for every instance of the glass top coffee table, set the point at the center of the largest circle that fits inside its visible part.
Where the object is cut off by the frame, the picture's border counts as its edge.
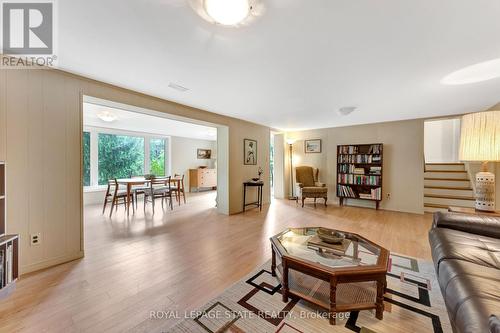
(336, 270)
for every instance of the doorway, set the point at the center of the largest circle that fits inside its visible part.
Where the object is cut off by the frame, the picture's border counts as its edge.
(122, 141)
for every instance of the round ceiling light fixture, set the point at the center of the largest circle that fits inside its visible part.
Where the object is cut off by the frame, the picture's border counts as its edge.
(227, 12)
(107, 116)
(482, 71)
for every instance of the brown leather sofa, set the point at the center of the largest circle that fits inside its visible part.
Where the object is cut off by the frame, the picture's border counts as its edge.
(466, 254)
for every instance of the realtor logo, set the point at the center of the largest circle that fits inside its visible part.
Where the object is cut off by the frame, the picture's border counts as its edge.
(27, 28)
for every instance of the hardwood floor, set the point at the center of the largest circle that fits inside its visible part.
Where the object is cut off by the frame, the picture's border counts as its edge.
(177, 261)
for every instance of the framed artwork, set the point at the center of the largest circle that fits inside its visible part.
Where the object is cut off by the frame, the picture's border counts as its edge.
(204, 154)
(312, 146)
(249, 152)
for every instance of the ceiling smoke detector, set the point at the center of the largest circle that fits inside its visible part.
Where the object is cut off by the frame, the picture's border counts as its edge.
(344, 111)
(177, 87)
(228, 12)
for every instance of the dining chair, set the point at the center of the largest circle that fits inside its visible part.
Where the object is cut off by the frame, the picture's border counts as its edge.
(159, 187)
(139, 189)
(113, 195)
(179, 189)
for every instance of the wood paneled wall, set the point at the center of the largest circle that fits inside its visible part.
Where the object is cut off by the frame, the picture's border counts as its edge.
(40, 139)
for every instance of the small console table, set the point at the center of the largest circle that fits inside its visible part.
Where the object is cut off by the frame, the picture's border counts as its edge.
(258, 203)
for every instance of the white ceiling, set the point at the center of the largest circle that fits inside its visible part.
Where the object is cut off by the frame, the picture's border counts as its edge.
(139, 122)
(296, 65)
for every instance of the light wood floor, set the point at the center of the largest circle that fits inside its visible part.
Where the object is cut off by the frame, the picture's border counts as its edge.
(177, 261)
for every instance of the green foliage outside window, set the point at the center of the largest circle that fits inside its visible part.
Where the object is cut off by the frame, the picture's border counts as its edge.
(157, 156)
(120, 156)
(86, 159)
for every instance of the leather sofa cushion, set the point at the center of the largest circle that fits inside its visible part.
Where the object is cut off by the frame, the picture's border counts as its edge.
(470, 291)
(477, 224)
(454, 244)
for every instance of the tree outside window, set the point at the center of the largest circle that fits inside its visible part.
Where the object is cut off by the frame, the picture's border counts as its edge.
(157, 156)
(120, 156)
(86, 158)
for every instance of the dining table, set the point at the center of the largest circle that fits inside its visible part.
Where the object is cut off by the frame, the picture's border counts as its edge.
(130, 182)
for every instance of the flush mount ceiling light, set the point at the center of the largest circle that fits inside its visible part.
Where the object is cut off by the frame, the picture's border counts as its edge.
(227, 12)
(107, 116)
(482, 71)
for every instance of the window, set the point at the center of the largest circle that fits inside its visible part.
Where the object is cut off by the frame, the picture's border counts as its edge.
(109, 154)
(86, 158)
(157, 156)
(119, 156)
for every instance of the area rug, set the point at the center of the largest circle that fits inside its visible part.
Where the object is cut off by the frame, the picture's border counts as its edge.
(413, 303)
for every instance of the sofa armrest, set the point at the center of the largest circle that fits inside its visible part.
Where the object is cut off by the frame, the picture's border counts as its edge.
(488, 226)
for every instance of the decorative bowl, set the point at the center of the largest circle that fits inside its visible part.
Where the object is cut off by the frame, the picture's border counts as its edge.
(330, 236)
(255, 179)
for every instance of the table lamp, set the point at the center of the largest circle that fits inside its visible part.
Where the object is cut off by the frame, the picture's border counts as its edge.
(480, 141)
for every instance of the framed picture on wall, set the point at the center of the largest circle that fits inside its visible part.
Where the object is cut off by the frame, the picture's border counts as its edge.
(312, 146)
(249, 152)
(204, 154)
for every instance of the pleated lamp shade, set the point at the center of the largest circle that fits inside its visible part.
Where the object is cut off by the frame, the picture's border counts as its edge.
(480, 137)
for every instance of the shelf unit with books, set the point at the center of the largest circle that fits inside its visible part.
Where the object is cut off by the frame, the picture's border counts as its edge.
(359, 172)
(9, 244)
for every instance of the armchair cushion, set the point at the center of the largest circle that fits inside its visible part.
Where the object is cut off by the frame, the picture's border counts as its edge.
(304, 175)
(313, 189)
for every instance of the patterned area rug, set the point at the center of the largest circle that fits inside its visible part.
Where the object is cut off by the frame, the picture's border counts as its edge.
(413, 303)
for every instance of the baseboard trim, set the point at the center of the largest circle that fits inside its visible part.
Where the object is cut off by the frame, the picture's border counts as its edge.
(50, 262)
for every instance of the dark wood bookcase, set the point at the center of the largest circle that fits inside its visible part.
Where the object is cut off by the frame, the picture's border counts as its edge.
(9, 244)
(359, 172)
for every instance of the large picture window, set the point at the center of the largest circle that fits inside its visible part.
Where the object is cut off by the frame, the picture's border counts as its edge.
(109, 154)
(120, 156)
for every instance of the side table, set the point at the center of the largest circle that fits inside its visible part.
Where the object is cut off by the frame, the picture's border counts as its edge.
(258, 203)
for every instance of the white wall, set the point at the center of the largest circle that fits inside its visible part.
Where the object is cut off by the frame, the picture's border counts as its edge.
(441, 140)
(183, 155)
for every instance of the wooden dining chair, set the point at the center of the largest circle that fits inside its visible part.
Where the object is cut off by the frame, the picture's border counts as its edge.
(179, 189)
(139, 189)
(113, 195)
(159, 187)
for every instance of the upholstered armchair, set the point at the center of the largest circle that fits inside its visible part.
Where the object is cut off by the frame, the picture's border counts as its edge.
(307, 185)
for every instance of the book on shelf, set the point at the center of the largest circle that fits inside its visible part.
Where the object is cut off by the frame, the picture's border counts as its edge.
(358, 179)
(359, 158)
(375, 170)
(2, 259)
(348, 149)
(345, 191)
(374, 149)
(8, 264)
(375, 194)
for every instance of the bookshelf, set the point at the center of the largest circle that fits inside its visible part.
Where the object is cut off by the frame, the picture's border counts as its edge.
(359, 172)
(9, 244)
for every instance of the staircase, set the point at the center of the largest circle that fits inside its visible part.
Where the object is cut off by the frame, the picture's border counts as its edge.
(446, 184)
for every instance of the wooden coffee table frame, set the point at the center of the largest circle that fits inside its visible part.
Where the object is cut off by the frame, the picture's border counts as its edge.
(333, 276)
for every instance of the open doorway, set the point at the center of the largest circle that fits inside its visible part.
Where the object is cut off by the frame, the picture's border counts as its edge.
(442, 140)
(129, 154)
